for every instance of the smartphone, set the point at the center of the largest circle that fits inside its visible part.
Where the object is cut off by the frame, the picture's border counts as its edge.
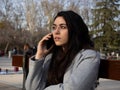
(50, 42)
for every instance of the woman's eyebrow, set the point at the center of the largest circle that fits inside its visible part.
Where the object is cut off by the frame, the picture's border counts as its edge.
(54, 24)
(62, 24)
(59, 24)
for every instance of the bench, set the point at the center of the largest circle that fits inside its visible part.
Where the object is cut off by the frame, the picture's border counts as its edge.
(109, 69)
(17, 60)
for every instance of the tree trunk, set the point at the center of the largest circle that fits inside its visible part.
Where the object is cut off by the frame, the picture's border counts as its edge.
(6, 48)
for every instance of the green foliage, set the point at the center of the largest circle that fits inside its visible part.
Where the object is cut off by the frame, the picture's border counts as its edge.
(106, 24)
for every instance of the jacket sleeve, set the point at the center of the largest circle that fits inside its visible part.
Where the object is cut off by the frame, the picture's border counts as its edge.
(32, 81)
(83, 74)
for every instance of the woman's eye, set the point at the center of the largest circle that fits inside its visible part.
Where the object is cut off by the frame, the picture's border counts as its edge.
(53, 27)
(63, 27)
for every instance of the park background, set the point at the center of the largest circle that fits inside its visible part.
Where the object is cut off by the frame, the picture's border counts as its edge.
(27, 21)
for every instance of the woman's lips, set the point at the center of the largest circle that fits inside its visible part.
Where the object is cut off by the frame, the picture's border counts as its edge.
(57, 38)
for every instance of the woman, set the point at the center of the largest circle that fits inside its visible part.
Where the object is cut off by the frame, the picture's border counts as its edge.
(70, 63)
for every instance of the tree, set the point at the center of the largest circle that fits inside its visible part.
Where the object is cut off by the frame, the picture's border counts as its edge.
(6, 34)
(106, 24)
(28, 21)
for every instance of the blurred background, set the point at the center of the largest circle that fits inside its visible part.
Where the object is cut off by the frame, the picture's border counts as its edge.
(27, 21)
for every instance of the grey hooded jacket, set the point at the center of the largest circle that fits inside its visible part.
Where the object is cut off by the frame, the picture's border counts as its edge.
(81, 75)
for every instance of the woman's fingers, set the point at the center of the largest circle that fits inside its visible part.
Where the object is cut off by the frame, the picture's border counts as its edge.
(42, 50)
(48, 36)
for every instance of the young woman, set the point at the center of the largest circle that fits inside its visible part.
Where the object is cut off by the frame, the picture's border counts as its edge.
(70, 63)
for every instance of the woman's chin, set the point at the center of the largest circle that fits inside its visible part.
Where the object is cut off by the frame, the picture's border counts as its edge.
(58, 44)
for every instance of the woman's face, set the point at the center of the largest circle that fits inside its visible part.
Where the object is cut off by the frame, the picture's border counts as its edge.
(60, 32)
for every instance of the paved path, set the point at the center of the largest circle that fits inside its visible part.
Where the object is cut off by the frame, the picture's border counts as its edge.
(10, 80)
(8, 87)
(106, 84)
(13, 80)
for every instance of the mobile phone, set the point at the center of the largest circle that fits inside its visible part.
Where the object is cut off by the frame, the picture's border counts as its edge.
(49, 42)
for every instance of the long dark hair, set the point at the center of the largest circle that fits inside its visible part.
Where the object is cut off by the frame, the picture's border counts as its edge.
(78, 39)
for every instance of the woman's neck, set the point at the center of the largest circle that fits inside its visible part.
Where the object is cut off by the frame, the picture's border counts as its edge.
(64, 48)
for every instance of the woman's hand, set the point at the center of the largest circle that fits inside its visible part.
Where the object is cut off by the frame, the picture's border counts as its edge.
(41, 48)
